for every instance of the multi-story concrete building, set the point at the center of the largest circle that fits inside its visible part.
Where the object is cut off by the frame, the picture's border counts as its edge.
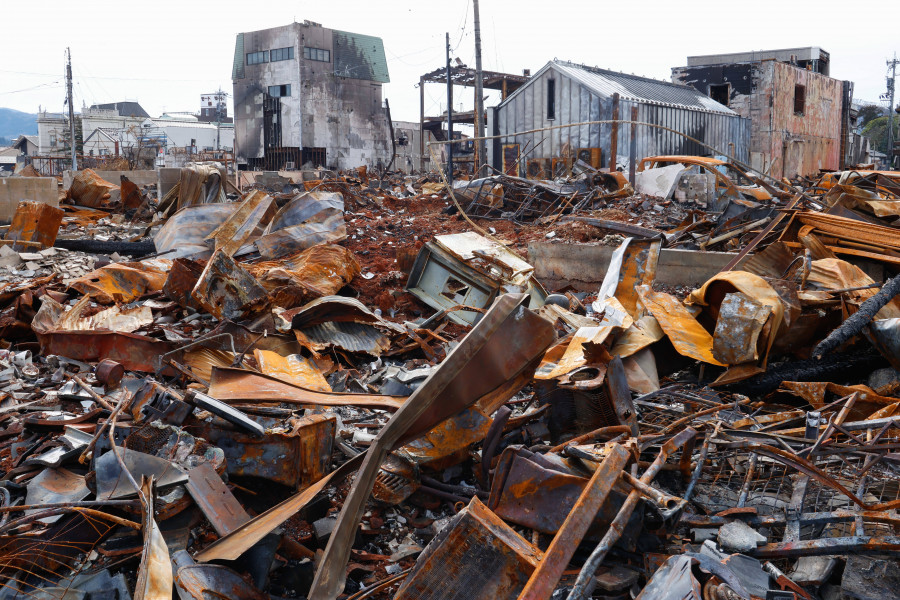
(304, 93)
(800, 116)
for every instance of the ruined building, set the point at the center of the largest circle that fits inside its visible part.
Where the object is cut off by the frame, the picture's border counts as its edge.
(564, 93)
(800, 115)
(307, 94)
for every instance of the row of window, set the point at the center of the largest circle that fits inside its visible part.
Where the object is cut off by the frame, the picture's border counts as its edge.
(316, 54)
(264, 56)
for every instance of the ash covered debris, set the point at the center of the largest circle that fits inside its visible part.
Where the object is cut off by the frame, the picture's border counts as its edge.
(382, 387)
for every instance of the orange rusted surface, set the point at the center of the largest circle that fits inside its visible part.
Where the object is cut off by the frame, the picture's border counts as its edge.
(318, 271)
(685, 332)
(294, 369)
(231, 385)
(89, 189)
(123, 282)
(34, 222)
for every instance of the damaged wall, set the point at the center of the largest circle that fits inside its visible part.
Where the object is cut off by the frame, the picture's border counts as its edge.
(797, 114)
(581, 95)
(331, 115)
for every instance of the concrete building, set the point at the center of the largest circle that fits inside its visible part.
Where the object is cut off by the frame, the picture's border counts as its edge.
(564, 93)
(800, 115)
(304, 93)
(213, 108)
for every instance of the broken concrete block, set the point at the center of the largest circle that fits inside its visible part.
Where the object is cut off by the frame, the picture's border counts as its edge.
(658, 182)
(737, 536)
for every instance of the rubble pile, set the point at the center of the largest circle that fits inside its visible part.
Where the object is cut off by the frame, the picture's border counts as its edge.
(357, 387)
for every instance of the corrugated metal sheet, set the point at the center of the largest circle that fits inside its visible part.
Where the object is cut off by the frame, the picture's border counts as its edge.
(358, 56)
(581, 99)
(237, 70)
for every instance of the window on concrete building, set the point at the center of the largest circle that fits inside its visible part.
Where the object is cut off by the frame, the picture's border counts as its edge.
(255, 58)
(279, 91)
(316, 54)
(281, 54)
(799, 99)
(551, 99)
(720, 93)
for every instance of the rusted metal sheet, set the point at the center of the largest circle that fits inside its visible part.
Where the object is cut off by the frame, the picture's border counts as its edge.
(89, 189)
(294, 369)
(306, 220)
(544, 579)
(686, 334)
(234, 544)
(216, 501)
(184, 233)
(318, 271)
(296, 459)
(34, 222)
(530, 491)
(234, 385)
(478, 557)
(133, 352)
(181, 279)
(338, 321)
(123, 282)
(243, 222)
(501, 352)
(448, 443)
(227, 291)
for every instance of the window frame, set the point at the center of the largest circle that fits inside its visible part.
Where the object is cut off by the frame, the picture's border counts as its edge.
(263, 56)
(286, 87)
(286, 53)
(316, 54)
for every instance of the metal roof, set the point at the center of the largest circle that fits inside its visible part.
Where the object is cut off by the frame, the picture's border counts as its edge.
(126, 109)
(633, 87)
(358, 56)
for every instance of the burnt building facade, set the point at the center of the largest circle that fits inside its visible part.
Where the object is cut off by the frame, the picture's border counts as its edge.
(800, 115)
(306, 94)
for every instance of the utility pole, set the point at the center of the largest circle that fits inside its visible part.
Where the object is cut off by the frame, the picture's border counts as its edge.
(71, 108)
(220, 98)
(892, 65)
(479, 96)
(449, 116)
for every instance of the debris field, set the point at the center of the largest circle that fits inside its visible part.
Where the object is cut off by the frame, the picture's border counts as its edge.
(358, 385)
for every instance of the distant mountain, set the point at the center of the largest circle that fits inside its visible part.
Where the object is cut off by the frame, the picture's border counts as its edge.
(14, 123)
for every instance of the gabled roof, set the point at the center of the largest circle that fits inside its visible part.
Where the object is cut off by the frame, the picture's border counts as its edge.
(632, 87)
(126, 109)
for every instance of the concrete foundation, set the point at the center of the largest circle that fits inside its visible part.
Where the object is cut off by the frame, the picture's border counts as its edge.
(15, 189)
(583, 265)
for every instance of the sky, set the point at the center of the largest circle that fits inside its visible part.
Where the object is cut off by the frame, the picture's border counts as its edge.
(165, 54)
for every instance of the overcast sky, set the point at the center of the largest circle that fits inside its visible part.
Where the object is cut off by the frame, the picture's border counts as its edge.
(165, 54)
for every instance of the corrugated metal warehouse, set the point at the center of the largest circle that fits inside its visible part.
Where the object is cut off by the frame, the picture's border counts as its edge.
(562, 93)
